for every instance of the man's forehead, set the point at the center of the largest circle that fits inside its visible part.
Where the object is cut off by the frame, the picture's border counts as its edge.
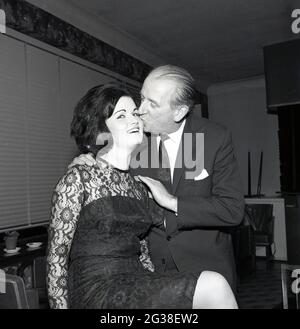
(158, 85)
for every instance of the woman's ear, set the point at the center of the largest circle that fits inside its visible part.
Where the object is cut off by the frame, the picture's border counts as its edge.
(180, 112)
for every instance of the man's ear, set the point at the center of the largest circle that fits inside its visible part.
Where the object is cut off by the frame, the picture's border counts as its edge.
(180, 112)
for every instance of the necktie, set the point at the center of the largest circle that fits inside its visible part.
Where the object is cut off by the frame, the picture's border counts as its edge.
(163, 173)
(165, 178)
(164, 170)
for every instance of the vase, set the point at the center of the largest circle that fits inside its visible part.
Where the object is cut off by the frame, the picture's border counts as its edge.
(11, 242)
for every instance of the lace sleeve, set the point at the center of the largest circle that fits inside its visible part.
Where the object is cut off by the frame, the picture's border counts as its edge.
(145, 256)
(67, 201)
(155, 212)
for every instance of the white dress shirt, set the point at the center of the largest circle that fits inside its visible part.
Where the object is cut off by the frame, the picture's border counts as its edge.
(172, 146)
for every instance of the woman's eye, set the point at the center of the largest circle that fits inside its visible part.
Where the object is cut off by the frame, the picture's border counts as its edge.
(152, 105)
(136, 114)
(122, 116)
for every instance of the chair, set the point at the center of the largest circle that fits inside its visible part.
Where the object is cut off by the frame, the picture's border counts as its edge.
(14, 295)
(290, 280)
(261, 218)
(244, 248)
(39, 280)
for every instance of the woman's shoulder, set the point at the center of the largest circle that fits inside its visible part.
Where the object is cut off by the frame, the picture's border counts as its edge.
(74, 177)
(143, 189)
(74, 172)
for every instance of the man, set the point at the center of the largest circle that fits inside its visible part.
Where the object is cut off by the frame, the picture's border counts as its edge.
(195, 235)
(196, 209)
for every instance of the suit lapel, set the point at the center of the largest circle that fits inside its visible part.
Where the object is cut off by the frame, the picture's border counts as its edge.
(187, 148)
(153, 156)
(179, 164)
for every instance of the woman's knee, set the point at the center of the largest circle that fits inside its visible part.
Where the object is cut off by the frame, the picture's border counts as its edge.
(215, 280)
(213, 291)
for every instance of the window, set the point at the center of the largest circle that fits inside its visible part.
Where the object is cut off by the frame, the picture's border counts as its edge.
(38, 92)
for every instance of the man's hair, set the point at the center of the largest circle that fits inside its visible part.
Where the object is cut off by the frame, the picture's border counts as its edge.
(186, 92)
(90, 115)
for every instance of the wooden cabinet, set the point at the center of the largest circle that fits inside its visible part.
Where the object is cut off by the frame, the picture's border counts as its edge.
(279, 247)
(293, 228)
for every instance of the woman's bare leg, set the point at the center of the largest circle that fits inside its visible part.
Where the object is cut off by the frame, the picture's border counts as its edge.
(213, 292)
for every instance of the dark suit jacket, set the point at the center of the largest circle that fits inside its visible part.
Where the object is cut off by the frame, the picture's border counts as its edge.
(199, 237)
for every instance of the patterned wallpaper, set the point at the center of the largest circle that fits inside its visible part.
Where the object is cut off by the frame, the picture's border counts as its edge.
(37, 23)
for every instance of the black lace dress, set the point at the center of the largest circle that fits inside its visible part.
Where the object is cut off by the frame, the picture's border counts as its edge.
(104, 269)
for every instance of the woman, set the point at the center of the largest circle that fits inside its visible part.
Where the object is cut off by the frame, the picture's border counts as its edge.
(100, 214)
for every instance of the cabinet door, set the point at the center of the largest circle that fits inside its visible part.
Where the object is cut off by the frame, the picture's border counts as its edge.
(293, 230)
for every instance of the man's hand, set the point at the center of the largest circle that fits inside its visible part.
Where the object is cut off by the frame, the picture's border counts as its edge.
(160, 193)
(83, 159)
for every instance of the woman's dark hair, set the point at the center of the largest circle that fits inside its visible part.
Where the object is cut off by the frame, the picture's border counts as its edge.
(90, 114)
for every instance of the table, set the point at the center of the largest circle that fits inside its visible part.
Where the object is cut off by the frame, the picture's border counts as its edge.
(24, 257)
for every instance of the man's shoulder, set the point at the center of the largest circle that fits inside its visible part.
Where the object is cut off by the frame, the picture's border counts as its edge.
(208, 125)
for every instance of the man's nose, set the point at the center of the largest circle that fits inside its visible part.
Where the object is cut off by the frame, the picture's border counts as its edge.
(142, 108)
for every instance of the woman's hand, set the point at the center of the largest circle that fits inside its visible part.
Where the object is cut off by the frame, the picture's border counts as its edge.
(160, 193)
(83, 159)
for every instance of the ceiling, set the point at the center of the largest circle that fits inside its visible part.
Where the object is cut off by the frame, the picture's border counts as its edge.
(216, 40)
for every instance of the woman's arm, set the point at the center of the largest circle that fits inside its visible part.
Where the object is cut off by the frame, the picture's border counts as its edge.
(67, 201)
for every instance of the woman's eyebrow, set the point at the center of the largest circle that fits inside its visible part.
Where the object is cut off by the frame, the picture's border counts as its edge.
(122, 110)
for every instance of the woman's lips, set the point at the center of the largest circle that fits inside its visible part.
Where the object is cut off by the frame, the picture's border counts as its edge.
(134, 130)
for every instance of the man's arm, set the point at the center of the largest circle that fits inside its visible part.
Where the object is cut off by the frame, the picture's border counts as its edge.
(225, 206)
(87, 159)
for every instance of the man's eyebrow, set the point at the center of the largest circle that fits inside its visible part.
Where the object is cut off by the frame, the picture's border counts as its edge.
(150, 99)
(153, 101)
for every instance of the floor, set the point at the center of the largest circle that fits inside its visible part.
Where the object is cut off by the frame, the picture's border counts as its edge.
(262, 288)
